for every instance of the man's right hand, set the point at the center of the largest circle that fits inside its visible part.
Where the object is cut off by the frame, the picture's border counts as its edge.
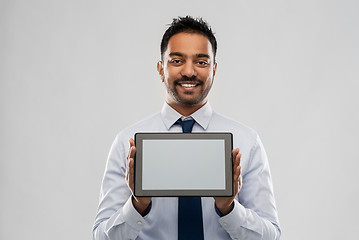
(140, 203)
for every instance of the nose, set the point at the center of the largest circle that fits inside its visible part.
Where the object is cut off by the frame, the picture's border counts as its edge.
(188, 70)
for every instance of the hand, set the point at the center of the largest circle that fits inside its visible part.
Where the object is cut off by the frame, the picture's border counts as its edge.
(140, 203)
(226, 204)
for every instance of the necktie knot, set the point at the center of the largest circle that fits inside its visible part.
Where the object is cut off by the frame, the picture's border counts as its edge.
(187, 124)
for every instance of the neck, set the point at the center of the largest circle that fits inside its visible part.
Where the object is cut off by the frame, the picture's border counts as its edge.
(186, 110)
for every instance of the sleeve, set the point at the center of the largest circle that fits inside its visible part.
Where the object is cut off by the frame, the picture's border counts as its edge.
(254, 215)
(116, 218)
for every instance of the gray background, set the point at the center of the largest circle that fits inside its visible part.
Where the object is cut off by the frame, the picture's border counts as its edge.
(74, 73)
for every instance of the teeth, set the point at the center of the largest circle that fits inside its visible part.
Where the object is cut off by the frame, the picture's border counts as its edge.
(188, 85)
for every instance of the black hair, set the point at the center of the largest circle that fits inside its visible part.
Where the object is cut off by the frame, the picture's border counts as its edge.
(188, 24)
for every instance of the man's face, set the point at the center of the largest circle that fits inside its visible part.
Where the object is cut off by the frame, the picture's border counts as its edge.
(187, 69)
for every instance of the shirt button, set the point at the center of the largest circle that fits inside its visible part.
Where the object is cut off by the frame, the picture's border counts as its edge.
(139, 222)
(225, 224)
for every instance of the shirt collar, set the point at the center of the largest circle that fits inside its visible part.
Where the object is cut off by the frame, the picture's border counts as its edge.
(202, 116)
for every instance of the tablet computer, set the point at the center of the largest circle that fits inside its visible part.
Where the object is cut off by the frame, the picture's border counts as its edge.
(183, 164)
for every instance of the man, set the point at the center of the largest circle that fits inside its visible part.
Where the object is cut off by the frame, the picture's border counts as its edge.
(187, 69)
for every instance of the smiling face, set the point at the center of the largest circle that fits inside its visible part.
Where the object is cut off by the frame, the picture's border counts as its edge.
(187, 70)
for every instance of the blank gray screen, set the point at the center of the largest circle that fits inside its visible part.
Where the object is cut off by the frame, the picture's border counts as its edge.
(183, 164)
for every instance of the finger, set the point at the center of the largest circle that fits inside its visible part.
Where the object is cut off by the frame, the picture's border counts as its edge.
(240, 179)
(130, 167)
(132, 148)
(236, 158)
(237, 173)
(240, 174)
(235, 152)
(237, 167)
(234, 155)
(129, 153)
(237, 161)
(130, 173)
(132, 144)
(130, 164)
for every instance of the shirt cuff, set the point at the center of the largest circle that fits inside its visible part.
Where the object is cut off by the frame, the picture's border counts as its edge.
(132, 217)
(234, 219)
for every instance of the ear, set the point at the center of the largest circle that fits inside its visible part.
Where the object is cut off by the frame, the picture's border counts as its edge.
(160, 69)
(214, 69)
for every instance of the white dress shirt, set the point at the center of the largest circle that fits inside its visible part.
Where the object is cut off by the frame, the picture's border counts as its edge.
(254, 215)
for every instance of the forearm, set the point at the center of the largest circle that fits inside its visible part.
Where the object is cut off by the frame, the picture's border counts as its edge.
(254, 215)
(243, 223)
(117, 218)
(126, 223)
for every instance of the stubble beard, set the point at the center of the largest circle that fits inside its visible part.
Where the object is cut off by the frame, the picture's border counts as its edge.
(172, 91)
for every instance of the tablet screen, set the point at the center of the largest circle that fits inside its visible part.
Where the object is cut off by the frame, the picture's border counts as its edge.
(177, 164)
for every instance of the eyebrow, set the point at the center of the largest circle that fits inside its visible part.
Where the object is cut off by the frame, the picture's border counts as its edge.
(202, 55)
(178, 54)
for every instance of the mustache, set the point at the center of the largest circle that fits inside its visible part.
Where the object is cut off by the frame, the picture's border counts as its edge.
(188, 79)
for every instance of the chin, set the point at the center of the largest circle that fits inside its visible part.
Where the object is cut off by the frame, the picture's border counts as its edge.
(187, 98)
(190, 102)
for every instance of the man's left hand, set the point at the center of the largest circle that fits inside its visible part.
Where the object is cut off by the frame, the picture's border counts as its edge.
(226, 204)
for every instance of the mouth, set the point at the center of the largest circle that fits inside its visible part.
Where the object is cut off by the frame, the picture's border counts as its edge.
(188, 85)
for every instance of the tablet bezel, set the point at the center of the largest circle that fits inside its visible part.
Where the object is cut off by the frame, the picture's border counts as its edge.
(228, 145)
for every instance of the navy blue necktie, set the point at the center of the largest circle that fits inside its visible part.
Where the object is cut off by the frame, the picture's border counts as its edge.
(190, 222)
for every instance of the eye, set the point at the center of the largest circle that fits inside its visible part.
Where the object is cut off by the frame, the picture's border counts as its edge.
(175, 61)
(202, 63)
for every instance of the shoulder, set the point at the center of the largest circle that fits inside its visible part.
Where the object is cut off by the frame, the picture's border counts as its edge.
(244, 137)
(233, 125)
(150, 123)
